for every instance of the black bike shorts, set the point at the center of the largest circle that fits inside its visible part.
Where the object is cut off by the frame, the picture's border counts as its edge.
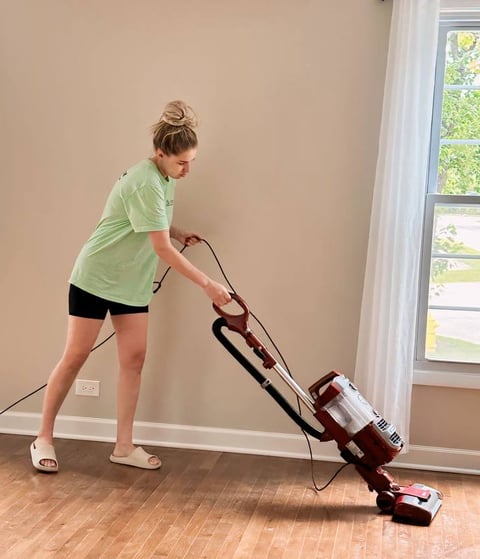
(84, 304)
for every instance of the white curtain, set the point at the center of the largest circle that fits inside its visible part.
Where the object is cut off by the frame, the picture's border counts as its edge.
(384, 367)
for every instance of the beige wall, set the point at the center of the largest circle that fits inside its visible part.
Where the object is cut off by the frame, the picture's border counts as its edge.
(289, 96)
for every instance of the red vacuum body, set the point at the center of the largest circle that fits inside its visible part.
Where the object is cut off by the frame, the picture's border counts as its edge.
(364, 438)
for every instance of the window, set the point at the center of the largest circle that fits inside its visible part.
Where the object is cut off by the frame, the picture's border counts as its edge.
(448, 334)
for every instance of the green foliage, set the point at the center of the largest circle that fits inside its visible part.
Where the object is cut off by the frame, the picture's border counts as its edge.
(444, 241)
(459, 164)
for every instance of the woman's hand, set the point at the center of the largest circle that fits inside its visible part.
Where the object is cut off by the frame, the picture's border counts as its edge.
(187, 238)
(217, 293)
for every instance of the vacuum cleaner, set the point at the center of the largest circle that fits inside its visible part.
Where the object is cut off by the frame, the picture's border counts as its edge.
(364, 438)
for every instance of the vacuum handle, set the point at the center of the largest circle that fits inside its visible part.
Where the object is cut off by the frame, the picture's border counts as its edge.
(239, 323)
(236, 322)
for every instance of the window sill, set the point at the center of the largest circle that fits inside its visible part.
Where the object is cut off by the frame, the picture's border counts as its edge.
(448, 379)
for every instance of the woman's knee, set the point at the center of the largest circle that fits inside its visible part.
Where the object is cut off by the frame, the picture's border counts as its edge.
(73, 360)
(133, 361)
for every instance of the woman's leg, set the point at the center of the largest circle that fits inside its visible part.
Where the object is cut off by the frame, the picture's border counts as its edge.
(81, 335)
(131, 331)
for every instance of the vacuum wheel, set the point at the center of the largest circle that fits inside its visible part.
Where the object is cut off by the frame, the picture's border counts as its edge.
(386, 501)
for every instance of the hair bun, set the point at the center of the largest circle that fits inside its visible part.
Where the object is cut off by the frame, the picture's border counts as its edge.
(178, 113)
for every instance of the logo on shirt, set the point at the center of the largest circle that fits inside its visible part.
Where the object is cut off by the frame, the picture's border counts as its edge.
(169, 203)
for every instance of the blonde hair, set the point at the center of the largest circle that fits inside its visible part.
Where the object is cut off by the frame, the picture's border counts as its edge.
(174, 132)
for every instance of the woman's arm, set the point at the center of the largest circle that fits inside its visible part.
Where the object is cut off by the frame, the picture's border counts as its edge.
(171, 256)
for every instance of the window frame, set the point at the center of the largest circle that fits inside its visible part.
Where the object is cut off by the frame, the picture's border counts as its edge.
(429, 372)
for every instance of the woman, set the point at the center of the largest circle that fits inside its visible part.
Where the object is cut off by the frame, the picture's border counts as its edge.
(114, 273)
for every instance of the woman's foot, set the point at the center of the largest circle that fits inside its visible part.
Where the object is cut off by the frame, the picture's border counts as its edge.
(43, 456)
(129, 455)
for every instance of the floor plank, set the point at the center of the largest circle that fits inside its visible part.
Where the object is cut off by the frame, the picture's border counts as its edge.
(214, 505)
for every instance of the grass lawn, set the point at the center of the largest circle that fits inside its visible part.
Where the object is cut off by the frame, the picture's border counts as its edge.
(457, 271)
(471, 272)
(453, 349)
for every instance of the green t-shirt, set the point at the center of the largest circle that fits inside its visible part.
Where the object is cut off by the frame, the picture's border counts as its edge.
(118, 262)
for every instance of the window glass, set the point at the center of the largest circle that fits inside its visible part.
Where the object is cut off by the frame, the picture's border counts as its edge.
(449, 319)
(453, 324)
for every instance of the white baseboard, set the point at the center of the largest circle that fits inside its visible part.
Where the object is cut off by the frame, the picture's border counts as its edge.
(235, 440)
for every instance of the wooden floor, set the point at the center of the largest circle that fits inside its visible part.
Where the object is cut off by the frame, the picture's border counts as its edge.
(216, 505)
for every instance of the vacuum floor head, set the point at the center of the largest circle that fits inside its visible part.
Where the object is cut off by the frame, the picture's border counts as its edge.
(417, 509)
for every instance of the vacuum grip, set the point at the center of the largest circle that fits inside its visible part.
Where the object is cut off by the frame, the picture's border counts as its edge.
(239, 323)
(235, 322)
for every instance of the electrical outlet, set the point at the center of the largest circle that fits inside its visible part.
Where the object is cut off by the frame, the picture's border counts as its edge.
(87, 387)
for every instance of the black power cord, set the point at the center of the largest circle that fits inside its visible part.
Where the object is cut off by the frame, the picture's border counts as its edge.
(288, 371)
(158, 285)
